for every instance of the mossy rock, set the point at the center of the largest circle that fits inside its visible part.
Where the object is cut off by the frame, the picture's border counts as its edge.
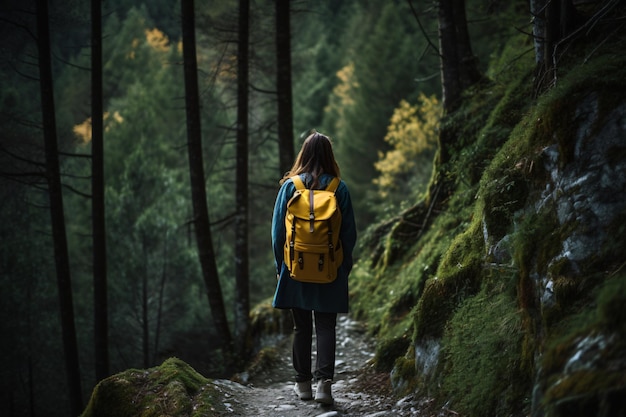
(389, 350)
(266, 320)
(174, 389)
(584, 360)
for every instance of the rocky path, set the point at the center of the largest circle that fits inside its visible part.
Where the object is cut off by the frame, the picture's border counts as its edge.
(358, 390)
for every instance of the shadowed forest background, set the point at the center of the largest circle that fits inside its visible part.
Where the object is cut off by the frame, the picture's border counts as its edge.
(157, 302)
(115, 265)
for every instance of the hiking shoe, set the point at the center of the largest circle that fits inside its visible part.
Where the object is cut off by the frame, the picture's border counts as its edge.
(322, 394)
(303, 390)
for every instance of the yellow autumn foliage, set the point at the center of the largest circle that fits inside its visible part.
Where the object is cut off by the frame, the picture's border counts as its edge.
(157, 40)
(412, 130)
(83, 130)
(343, 94)
(347, 84)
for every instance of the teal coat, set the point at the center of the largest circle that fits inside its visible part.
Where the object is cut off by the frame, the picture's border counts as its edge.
(328, 298)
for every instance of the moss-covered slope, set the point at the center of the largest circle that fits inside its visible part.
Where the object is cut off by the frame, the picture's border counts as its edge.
(509, 299)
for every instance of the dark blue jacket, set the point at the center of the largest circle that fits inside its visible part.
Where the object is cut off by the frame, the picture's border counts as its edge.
(328, 298)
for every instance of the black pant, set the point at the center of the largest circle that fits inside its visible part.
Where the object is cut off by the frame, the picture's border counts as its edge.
(302, 339)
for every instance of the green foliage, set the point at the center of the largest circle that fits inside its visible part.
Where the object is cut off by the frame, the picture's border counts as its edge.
(155, 291)
(358, 112)
(495, 33)
(315, 60)
(29, 318)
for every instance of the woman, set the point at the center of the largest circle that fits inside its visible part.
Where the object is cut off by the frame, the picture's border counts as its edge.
(316, 166)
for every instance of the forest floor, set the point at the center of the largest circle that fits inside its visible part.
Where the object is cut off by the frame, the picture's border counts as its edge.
(358, 390)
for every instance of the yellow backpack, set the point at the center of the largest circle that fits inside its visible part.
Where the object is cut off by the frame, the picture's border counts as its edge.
(313, 251)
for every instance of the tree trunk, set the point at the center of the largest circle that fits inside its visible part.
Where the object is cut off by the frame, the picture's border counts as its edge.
(458, 64)
(283, 86)
(196, 172)
(459, 71)
(551, 31)
(59, 236)
(145, 323)
(468, 66)
(450, 84)
(159, 317)
(242, 273)
(101, 322)
(539, 27)
(458, 67)
(553, 20)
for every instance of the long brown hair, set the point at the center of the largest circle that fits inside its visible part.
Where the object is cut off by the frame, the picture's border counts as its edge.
(316, 157)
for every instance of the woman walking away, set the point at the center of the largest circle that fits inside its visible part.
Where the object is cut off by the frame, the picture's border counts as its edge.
(313, 278)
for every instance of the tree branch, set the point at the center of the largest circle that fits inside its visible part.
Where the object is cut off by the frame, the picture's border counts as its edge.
(423, 30)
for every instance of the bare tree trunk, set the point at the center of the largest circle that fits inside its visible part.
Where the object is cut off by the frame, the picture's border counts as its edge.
(553, 21)
(31, 376)
(539, 27)
(145, 324)
(159, 317)
(468, 66)
(196, 172)
(100, 305)
(551, 31)
(59, 236)
(283, 86)
(459, 71)
(450, 84)
(458, 64)
(242, 272)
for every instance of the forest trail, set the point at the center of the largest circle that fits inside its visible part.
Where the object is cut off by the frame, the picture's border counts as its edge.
(357, 390)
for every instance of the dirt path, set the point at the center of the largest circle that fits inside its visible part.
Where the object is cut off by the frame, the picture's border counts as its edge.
(358, 390)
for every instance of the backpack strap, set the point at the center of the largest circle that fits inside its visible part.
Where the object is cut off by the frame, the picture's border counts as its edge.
(297, 181)
(333, 184)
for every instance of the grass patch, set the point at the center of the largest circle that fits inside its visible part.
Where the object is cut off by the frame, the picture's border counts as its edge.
(482, 346)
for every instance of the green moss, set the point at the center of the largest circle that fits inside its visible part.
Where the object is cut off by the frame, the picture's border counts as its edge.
(614, 247)
(369, 294)
(516, 58)
(536, 241)
(385, 297)
(267, 320)
(408, 226)
(482, 346)
(403, 376)
(388, 350)
(502, 192)
(265, 360)
(457, 277)
(585, 383)
(604, 321)
(503, 195)
(173, 389)
(611, 301)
